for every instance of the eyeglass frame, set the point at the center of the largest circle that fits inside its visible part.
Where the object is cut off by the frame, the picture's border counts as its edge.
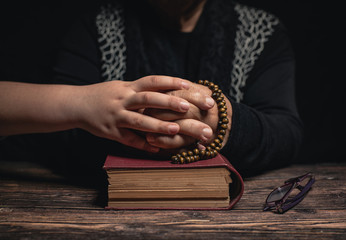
(282, 205)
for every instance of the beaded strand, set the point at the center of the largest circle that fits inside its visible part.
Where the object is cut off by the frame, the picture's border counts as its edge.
(213, 148)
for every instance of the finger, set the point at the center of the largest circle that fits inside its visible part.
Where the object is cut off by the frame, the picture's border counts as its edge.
(169, 141)
(200, 99)
(166, 115)
(157, 100)
(131, 139)
(195, 129)
(145, 123)
(159, 83)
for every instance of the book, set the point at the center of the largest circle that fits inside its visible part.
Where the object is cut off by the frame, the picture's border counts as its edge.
(159, 184)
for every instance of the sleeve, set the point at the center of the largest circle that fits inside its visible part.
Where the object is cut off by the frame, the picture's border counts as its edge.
(266, 129)
(78, 60)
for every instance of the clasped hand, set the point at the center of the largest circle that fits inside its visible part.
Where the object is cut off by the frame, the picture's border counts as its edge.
(151, 113)
(199, 123)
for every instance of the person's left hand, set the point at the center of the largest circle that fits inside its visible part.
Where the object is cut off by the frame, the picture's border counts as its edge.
(190, 122)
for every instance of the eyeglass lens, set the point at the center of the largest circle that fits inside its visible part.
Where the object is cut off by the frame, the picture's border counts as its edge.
(279, 193)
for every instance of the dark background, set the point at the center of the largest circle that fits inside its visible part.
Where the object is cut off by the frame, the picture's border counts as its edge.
(30, 33)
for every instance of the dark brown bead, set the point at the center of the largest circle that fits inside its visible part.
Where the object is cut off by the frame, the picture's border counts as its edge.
(196, 151)
(208, 148)
(216, 141)
(221, 104)
(224, 126)
(222, 132)
(212, 154)
(223, 115)
(200, 82)
(222, 109)
(211, 85)
(225, 120)
(206, 83)
(212, 145)
(207, 154)
(178, 155)
(219, 91)
(184, 154)
(215, 153)
(187, 159)
(197, 157)
(220, 137)
(190, 153)
(181, 160)
(192, 158)
(217, 149)
(202, 153)
(219, 99)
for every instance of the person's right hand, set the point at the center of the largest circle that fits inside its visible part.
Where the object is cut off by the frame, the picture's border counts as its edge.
(113, 109)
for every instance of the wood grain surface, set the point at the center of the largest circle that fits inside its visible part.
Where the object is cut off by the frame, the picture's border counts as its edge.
(38, 204)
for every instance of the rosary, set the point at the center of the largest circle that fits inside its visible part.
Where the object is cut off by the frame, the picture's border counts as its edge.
(213, 148)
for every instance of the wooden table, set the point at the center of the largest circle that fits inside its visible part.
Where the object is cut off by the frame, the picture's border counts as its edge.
(36, 204)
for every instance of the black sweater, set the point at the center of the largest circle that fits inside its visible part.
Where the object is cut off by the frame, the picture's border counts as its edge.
(245, 51)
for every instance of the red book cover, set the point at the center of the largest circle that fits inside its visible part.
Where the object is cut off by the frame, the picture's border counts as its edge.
(237, 185)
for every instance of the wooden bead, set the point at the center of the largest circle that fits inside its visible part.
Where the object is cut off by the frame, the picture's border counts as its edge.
(188, 159)
(223, 115)
(207, 154)
(214, 147)
(192, 158)
(196, 151)
(222, 132)
(219, 99)
(221, 104)
(212, 154)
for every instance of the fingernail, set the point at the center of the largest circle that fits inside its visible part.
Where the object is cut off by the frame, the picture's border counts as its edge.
(184, 106)
(209, 101)
(201, 147)
(185, 85)
(206, 133)
(173, 128)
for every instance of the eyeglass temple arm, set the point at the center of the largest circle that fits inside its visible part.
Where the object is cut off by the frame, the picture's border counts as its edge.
(299, 197)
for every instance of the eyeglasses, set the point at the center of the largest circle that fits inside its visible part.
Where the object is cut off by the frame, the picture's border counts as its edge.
(283, 198)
